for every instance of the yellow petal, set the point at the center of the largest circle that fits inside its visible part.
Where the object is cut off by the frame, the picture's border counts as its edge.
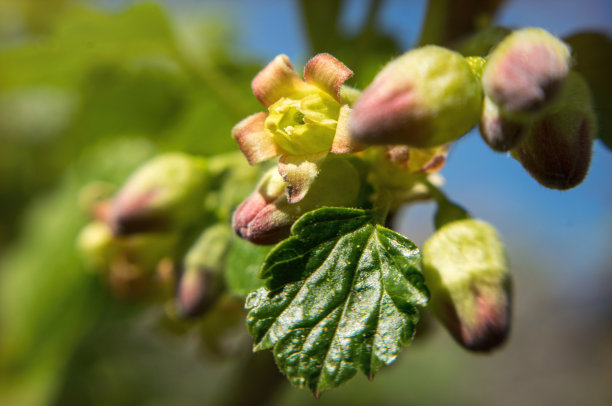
(327, 73)
(299, 171)
(276, 80)
(343, 142)
(255, 142)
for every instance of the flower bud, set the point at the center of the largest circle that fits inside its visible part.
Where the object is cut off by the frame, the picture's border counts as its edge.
(266, 216)
(526, 71)
(164, 193)
(201, 281)
(258, 218)
(557, 149)
(425, 98)
(466, 271)
(499, 132)
(95, 242)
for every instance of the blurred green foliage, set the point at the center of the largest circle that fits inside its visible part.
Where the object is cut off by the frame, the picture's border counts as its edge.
(98, 75)
(77, 85)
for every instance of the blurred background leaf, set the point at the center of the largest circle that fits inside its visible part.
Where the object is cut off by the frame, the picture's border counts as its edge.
(100, 74)
(593, 51)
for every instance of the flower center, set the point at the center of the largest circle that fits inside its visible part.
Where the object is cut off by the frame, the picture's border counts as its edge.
(304, 125)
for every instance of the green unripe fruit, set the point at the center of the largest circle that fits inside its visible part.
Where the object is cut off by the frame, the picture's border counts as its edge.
(425, 98)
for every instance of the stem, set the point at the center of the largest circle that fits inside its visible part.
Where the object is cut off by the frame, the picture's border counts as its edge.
(447, 210)
(367, 31)
(434, 191)
(434, 25)
(382, 206)
(446, 20)
(321, 23)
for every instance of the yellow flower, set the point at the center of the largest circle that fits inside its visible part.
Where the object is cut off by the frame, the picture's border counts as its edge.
(306, 119)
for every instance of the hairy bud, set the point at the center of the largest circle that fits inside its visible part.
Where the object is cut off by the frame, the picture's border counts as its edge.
(164, 193)
(425, 98)
(498, 131)
(466, 271)
(258, 219)
(200, 283)
(526, 70)
(266, 216)
(557, 149)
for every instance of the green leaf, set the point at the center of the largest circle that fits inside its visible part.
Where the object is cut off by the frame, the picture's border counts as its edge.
(593, 53)
(342, 295)
(242, 270)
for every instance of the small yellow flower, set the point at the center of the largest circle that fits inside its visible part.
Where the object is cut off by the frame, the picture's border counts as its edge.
(306, 119)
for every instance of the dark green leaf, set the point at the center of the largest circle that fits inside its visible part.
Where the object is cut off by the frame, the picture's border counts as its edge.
(342, 295)
(593, 53)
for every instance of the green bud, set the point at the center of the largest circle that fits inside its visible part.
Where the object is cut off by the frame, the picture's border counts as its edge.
(95, 242)
(201, 281)
(526, 71)
(266, 216)
(165, 193)
(558, 146)
(425, 98)
(466, 272)
(498, 131)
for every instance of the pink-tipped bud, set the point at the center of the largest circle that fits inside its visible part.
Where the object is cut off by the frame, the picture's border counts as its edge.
(466, 271)
(499, 132)
(259, 219)
(198, 290)
(526, 71)
(201, 282)
(557, 149)
(266, 216)
(425, 98)
(164, 193)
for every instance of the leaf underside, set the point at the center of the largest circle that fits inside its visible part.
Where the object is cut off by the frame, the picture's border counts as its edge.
(341, 295)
